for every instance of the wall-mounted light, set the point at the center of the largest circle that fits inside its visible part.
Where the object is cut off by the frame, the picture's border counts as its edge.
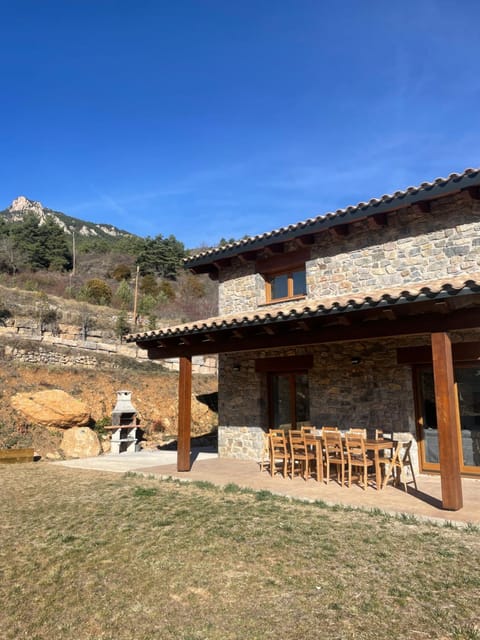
(236, 367)
(356, 360)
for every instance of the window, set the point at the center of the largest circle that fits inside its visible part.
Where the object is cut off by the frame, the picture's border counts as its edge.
(286, 285)
(467, 379)
(284, 275)
(288, 394)
(288, 400)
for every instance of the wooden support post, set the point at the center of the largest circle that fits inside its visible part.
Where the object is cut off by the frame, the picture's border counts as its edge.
(184, 413)
(447, 422)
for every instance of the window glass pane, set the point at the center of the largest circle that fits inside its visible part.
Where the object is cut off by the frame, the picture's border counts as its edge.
(468, 385)
(299, 283)
(280, 287)
(429, 415)
(291, 405)
(281, 401)
(301, 398)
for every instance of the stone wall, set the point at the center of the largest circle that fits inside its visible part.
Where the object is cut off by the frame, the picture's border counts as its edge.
(45, 348)
(49, 356)
(375, 393)
(413, 247)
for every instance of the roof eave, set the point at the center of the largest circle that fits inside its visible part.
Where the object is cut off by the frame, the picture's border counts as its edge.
(413, 195)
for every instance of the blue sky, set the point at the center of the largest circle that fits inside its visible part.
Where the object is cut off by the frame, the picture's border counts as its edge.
(218, 118)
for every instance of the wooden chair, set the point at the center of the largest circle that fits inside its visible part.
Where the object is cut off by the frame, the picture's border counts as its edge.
(265, 455)
(300, 452)
(278, 451)
(395, 465)
(357, 457)
(334, 454)
(314, 445)
(359, 431)
(327, 428)
(309, 430)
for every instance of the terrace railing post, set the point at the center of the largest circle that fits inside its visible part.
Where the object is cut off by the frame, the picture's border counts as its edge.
(184, 413)
(447, 422)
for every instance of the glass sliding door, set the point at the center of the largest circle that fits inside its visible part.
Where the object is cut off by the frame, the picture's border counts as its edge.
(468, 391)
(289, 405)
(468, 388)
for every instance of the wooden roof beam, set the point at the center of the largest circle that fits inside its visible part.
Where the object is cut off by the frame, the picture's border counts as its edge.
(273, 250)
(389, 314)
(424, 206)
(378, 220)
(341, 230)
(268, 329)
(473, 192)
(305, 241)
(249, 256)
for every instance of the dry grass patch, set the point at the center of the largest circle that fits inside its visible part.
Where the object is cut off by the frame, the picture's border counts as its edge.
(90, 555)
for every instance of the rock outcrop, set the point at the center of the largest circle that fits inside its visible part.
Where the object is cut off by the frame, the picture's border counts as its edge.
(53, 409)
(80, 442)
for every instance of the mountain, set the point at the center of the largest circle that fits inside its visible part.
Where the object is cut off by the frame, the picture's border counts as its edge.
(22, 206)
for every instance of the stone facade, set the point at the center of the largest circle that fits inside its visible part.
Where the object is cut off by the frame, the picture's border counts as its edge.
(375, 393)
(413, 247)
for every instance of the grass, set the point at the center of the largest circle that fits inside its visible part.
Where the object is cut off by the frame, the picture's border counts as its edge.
(90, 555)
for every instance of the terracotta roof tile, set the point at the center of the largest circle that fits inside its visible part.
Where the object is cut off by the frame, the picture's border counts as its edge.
(440, 186)
(340, 304)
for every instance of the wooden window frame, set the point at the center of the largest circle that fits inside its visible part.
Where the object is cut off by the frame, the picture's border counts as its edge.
(291, 375)
(290, 293)
(424, 465)
(283, 264)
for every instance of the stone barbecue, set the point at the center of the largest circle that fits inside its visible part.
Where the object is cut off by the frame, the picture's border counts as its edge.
(124, 425)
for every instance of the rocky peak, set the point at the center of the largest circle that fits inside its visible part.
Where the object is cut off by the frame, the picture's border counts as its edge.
(21, 206)
(24, 204)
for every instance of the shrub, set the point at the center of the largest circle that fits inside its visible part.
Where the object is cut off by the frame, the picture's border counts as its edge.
(122, 272)
(96, 291)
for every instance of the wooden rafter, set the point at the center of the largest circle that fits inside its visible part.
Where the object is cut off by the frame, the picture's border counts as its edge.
(389, 314)
(305, 241)
(357, 325)
(424, 206)
(379, 220)
(473, 192)
(341, 230)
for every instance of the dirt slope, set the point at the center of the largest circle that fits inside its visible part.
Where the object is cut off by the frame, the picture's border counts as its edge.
(154, 395)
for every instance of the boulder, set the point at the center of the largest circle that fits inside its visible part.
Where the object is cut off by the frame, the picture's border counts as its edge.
(53, 409)
(80, 442)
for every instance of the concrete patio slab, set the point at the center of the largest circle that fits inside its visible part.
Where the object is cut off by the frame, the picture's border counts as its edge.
(425, 503)
(137, 461)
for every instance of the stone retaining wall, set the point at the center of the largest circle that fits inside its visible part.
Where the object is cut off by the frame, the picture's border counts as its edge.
(53, 350)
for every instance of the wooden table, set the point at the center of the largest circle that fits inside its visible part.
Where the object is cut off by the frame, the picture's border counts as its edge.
(376, 446)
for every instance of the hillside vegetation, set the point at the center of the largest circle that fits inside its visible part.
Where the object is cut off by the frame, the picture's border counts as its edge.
(64, 278)
(46, 251)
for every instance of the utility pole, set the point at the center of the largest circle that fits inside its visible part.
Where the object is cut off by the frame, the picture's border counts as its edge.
(135, 297)
(73, 252)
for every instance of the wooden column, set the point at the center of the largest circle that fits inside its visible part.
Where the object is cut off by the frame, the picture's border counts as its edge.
(184, 413)
(447, 422)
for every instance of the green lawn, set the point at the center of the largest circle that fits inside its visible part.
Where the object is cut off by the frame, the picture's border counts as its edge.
(87, 555)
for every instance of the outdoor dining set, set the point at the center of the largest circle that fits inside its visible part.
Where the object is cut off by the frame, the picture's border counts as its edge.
(329, 453)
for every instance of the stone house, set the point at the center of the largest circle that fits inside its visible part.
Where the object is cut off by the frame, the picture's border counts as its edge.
(366, 317)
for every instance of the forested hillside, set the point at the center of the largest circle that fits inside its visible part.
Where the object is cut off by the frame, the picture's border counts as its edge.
(143, 278)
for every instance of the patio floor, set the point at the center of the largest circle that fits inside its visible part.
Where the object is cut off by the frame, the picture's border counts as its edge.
(424, 503)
